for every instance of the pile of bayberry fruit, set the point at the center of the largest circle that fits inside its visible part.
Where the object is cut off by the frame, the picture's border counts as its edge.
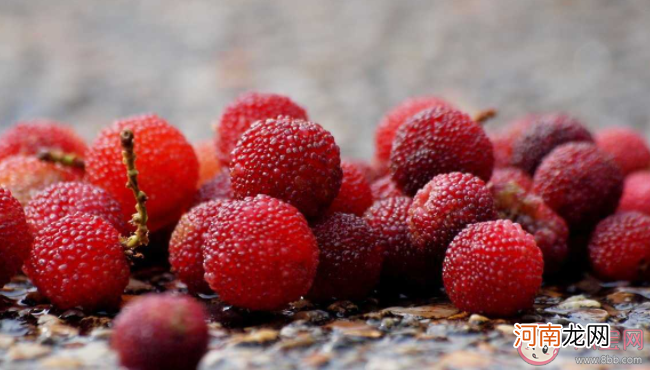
(269, 213)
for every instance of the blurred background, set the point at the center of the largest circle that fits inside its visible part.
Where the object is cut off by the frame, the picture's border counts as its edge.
(88, 63)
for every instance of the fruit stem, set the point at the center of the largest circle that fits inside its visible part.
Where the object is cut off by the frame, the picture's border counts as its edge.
(141, 234)
(485, 115)
(65, 159)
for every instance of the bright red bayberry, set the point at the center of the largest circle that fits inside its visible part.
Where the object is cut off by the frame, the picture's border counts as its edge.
(503, 176)
(168, 166)
(161, 332)
(494, 268)
(436, 141)
(628, 148)
(541, 137)
(636, 193)
(209, 165)
(25, 176)
(186, 245)
(394, 119)
(247, 109)
(32, 137)
(217, 188)
(580, 183)
(354, 195)
(384, 188)
(260, 254)
(443, 207)
(293, 160)
(15, 236)
(350, 258)
(66, 198)
(619, 248)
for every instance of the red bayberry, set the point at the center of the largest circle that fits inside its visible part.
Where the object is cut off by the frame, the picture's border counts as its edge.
(167, 164)
(217, 188)
(545, 134)
(619, 248)
(66, 198)
(436, 141)
(260, 254)
(32, 137)
(629, 149)
(186, 245)
(209, 166)
(506, 175)
(350, 258)
(394, 119)
(355, 195)
(15, 237)
(494, 268)
(443, 207)
(247, 109)
(369, 172)
(580, 183)
(385, 188)
(293, 160)
(636, 193)
(26, 176)
(160, 332)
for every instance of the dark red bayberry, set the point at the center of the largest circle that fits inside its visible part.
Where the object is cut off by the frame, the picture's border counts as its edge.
(384, 188)
(355, 195)
(15, 237)
(161, 332)
(580, 183)
(437, 141)
(350, 258)
(260, 254)
(494, 268)
(545, 134)
(636, 193)
(619, 248)
(293, 160)
(32, 137)
(168, 167)
(247, 109)
(629, 149)
(217, 188)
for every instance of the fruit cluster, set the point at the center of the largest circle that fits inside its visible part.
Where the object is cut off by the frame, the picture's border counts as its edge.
(269, 213)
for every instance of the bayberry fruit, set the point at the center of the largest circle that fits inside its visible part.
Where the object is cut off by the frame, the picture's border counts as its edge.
(247, 109)
(160, 332)
(217, 188)
(384, 188)
(33, 137)
(494, 268)
(260, 254)
(436, 141)
(354, 195)
(209, 165)
(619, 248)
(15, 236)
(349, 261)
(369, 172)
(636, 193)
(629, 149)
(293, 160)
(580, 183)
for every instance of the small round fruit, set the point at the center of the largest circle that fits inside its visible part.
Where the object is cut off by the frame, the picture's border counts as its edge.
(15, 237)
(260, 254)
(292, 160)
(494, 268)
(437, 141)
(349, 261)
(636, 193)
(619, 248)
(355, 195)
(160, 332)
(628, 148)
(209, 165)
(32, 137)
(384, 188)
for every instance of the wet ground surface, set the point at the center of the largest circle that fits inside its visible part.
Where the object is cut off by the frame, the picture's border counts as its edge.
(379, 333)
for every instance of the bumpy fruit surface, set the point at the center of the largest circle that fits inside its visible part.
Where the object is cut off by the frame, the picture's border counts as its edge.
(580, 183)
(628, 148)
(32, 137)
(167, 165)
(619, 248)
(384, 188)
(26, 176)
(209, 165)
(260, 254)
(247, 109)
(436, 141)
(354, 195)
(217, 188)
(443, 207)
(186, 245)
(545, 134)
(494, 268)
(15, 236)
(506, 175)
(66, 198)
(395, 118)
(293, 160)
(350, 258)
(636, 193)
(78, 261)
(161, 332)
